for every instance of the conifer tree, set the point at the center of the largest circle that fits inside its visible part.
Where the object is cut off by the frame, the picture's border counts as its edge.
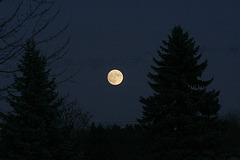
(31, 130)
(179, 118)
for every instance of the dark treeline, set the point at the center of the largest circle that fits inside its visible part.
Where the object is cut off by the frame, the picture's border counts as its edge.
(112, 142)
(179, 120)
(127, 143)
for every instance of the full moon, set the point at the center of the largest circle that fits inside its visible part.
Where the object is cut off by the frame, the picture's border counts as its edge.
(115, 77)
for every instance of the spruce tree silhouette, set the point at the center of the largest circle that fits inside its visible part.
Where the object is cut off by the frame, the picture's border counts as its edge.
(31, 130)
(179, 119)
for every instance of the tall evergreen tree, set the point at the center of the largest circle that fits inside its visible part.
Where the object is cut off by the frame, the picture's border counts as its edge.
(31, 130)
(179, 118)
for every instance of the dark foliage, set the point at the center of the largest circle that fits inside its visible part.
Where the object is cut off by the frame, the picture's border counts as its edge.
(29, 20)
(231, 135)
(179, 118)
(31, 131)
(111, 143)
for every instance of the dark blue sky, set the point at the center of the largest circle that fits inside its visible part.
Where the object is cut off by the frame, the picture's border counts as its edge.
(125, 34)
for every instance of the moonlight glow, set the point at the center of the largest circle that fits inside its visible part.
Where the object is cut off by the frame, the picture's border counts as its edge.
(115, 77)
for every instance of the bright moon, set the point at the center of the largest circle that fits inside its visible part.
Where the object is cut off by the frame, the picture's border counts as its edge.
(115, 77)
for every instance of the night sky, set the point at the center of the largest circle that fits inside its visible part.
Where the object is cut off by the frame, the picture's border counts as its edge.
(126, 34)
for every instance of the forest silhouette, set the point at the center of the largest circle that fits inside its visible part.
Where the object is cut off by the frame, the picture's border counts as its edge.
(179, 120)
